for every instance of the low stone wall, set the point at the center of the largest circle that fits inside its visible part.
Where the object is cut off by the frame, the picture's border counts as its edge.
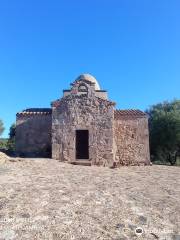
(33, 135)
(131, 141)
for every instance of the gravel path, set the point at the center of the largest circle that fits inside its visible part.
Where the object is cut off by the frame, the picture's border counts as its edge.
(46, 199)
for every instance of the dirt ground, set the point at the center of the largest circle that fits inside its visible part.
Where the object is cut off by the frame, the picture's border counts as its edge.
(46, 199)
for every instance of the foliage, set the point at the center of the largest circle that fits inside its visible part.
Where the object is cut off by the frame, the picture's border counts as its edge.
(11, 140)
(3, 143)
(164, 125)
(12, 131)
(1, 127)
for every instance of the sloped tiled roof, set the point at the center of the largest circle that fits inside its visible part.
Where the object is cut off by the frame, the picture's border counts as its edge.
(35, 111)
(129, 114)
(118, 114)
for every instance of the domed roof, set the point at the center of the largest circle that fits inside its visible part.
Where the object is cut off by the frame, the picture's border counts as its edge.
(90, 78)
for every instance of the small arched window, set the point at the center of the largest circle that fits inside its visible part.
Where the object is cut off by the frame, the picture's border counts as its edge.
(83, 88)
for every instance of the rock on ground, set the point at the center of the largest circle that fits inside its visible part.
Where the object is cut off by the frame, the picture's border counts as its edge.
(3, 158)
(46, 199)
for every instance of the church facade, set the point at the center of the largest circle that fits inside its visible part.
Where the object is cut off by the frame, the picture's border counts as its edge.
(83, 127)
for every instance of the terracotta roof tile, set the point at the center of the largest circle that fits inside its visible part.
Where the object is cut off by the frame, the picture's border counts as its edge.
(35, 111)
(129, 114)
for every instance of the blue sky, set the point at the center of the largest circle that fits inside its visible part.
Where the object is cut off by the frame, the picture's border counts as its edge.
(132, 47)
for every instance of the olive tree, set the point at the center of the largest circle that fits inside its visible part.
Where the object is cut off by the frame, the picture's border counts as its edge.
(164, 126)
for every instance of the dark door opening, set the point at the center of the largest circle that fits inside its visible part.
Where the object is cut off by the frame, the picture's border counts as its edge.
(82, 144)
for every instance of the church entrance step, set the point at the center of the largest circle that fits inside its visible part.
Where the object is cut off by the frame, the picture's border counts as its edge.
(82, 163)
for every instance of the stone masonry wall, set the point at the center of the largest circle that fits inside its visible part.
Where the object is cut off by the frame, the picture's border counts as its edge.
(131, 142)
(33, 135)
(75, 112)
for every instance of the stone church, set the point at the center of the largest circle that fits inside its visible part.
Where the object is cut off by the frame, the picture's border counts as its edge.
(83, 127)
